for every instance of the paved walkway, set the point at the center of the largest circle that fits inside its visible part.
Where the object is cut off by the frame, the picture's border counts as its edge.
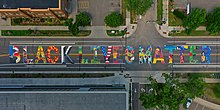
(72, 11)
(163, 29)
(141, 77)
(5, 22)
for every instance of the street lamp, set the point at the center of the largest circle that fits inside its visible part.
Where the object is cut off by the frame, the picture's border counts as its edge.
(124, 47)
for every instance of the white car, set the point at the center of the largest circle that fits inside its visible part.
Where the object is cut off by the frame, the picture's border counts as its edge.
(189, 102)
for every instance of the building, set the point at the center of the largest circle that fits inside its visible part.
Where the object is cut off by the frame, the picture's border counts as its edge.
(33, 8)
(106, 93)
(63, 98)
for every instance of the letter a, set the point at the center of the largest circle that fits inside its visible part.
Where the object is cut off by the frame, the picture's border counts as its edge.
(158, 56)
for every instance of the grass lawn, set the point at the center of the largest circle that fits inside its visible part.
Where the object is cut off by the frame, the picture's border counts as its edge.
(210, 95)
(43, 33)
(117, 33)
(173, 20)
(159, 10)
(124, 11)
(202, 75)
(133, 17)
(84, 33)
(194, 33)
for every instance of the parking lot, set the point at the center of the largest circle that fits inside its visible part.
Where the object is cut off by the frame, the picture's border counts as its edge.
(209, 5)
(98, 9)
(206, 4)
(196, 106)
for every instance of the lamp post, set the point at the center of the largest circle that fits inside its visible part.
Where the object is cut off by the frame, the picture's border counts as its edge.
(124, 47)
(173, 60)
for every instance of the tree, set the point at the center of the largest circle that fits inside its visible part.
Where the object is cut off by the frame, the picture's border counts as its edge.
(196, 18)
(83, 19)
(114, 19)
(195, 86)
(74, 29)
(179, 14)
(213, 21)
(165, 95)
(171, 94)
(139, 6)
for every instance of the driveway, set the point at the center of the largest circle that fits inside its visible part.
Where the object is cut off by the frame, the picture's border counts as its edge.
(98, 9)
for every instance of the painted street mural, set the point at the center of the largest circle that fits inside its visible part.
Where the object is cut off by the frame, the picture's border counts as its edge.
(110, 54)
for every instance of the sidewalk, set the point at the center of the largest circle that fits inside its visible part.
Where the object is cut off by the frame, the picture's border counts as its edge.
(200, 28)
(164, 28)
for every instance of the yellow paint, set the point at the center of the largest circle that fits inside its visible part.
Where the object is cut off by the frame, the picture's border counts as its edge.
(158, 59)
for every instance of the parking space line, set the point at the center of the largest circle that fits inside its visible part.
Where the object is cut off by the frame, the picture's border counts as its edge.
(203, 107)
(196, 106)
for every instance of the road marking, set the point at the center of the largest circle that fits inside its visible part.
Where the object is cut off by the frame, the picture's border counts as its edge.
(176, 41)
(21, 54)
(196, 106)
(58, 42)
(3, 55)
(196, 42)
(88, 67)
(46, 66)
(196, 66)
(60, 92)
(203, 107)
(196, 54)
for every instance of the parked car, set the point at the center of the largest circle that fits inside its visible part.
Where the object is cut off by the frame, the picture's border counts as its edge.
(189, 102)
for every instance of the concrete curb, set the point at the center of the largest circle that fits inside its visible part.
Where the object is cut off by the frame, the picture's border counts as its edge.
(207, 103)
(202, 37)
(11, 37)
(160, 31)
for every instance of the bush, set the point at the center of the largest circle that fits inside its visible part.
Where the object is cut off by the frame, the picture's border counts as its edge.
(114, 19)
(17, 20)
(179, 14)
(83, 19)
(217, 90)
(68, 22)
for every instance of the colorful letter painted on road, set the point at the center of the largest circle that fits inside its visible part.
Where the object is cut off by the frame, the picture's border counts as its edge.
(110, 54)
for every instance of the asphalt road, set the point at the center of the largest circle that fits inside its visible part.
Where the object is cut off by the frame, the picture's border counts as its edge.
(87, 42)
(135, 96)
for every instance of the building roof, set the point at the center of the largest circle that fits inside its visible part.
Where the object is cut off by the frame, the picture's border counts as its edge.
(35, 4)
(64, 101)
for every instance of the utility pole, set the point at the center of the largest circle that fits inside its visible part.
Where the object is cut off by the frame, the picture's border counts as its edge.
(124, 47)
